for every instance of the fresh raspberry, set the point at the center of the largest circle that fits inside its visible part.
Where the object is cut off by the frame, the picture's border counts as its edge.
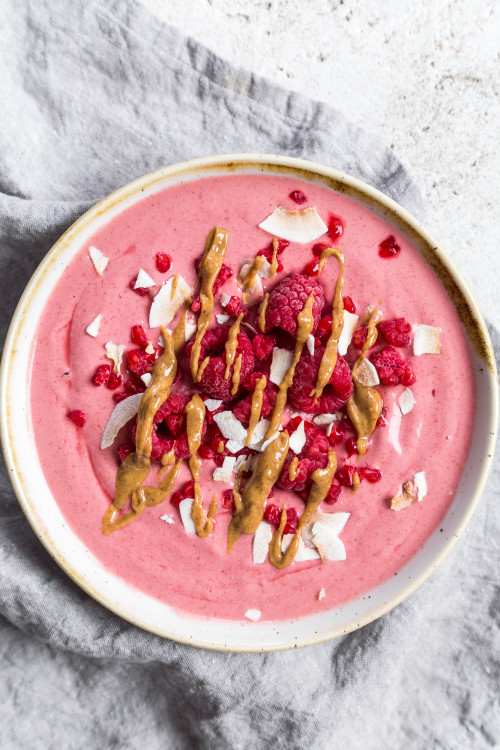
(235, 306)
(196, 304)
(298, 196)
(123, 451)
(335, 227)
(396, 332)
(333, 494)
(334, 395)
(263, 346)
(272, 514)
(139, 336)
(114, 381)
(163, 262)
(101, 375)
(224, 275)
(139, 362)
(287, 300)
(345, 475)
(78, 417)
(318, 248)
(176, 424)
(176, 498)
(141, 291)
(370, 473)
(389, 248)
(242, 409)
(392, 368)
(205, 451)
(212, 381)
(349, 305)
(337, 435)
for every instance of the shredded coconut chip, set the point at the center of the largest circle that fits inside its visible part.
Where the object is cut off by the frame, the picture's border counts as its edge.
(326, 528)
(121, 414)
(114, 352)
(406, 401)
(310, 344)
(93, 328)
(303, 225)
(144, 280)
(253, 614)
(224, 472)
(212, 404)
(221, 319)
(230, 426)
(282, 359)
(426, 340)
(150, 348)
(185, 509)
(167, 518)
(322, 419)
(261, 540)
(298, 438)
(224, 299)
(350, 325)
(420, 484)
(99, 260)
(366, 373)
(165, 305)
(146, 378)
(321, 594)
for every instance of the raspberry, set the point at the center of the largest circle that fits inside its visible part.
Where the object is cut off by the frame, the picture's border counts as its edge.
(196, 304)
(212, 380)
(176, 424)
(272, 515)
(370, 474)
(263, 346)
(311, 268)
(187, 490)
(335, 227)
(224, 275)
(318, 248)
(176, 498)
(243, 408)
(114, 381)
(392, 368)
(268, 251)
(335, 394)
(78, 417)
(205, 451)
(333, 494)
(123, 451)
(141, 291)
(349, 305)
(131, 387)
(396, 332)
(312, 456)
(138, 336)
(388, 248)
(298, 196)
(163, 262)
(337, 435)
(139, 362)
(287, 300)
(351, 446)
(235, 306)
(101, 375)
(345, 475)
(359, 337)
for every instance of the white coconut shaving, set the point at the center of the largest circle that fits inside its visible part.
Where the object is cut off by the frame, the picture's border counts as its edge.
(223, 473)
(259, 434)
(234, 446)
(426, 340)
(189, 330)
(253, 614)
(420, 484)
(166, 304)
(303, 554)
(150, 348)
(366, 373)
(325, 535)
(93, 328)
(230, 426)
(264, 271)
(321, 594)
(147, 378)
(167, 518)
(121, 414)
(243, 463)
(261, 540)
(114, 352)
(221, 319)
(298, 438)
(406, 401)
(322, 419)
(345, 338)
(310, 344)
(212, 404)
(144, 280)
(302, 225)
(281, 362)
(185, 509)
(99, 260)
(224, 299)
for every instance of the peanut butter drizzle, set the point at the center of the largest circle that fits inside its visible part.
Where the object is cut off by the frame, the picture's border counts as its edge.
(236, 491)
(174, 286)
(305, 323)
(236, 375)
(262, 312)
(321, 482)
(133, 471)
(355, 481)
(365, 405)
(293, 469)
(180, 329)
(274, 260)
(232, 344)
(254, 495)
(151, 496)
(329, 358)
(249, 280)
(195, 416)
(256, 407)
(215, 248)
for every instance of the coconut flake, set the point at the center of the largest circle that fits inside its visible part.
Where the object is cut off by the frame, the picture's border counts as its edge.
(99, 260)
(259, 434)
(406, 401)
(345, 338)
(150, 348)
(298, 438)
(420, 484)
(224, 299)
(426, 340)
(234, 446)
(264, 271)
(144, 280)
(322, 419)
(212, 404)
(189, 330)
(121, 414)
(185, 509)
(221, 319)
(302, 225)
(262, 537)
(366, 373)
(223, 473)
(114, 352)
(253, 614)
(243, 463)
(168, 518)
(281, 362)
(165, 306)
(146, 378)
(321, 594)
(325, 537)
(230, 426)
(93, 328)
(310, 344)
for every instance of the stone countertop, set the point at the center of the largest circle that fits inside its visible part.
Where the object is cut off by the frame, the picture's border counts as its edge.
(424, 77)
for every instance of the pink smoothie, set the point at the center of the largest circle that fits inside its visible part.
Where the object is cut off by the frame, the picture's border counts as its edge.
(195, 574)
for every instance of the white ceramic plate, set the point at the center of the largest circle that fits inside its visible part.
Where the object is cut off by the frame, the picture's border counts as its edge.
(47, 521)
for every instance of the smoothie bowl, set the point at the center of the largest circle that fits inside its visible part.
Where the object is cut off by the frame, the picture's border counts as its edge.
(248, 403)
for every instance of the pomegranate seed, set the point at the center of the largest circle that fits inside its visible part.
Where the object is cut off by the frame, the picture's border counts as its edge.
(336, 436)
(359, 337)
(176, 498)
(388, 248)
(349, 305)
(131, 387)
(124, 450)
(324, 328)
(228, 500)
(101, 375)
(163, 262)
(318, 248)
(298, 196)
(351, 446)
(139, 337)
(205, 451)
(114, 381)
(78, 417)
(139, 362)
(345, 475)
(196, 304)
(370, 474)
(140, 290)
(117, 397)
(335, 227)
(187, 489)
(333, 494)
(312, 268)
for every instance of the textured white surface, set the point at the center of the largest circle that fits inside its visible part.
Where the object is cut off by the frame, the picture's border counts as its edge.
(424, 76)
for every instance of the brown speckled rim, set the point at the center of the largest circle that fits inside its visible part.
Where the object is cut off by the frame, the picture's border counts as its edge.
(443, 267)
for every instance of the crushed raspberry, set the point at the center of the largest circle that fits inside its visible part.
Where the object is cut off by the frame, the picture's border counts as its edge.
(114, 381)
(349, 305)
(334, 395)
(287, 300)
(370, 473)
(235, 306)
(396, 332)
(388, 248)
(132, 386)
(117, 397)
(345, 475)
(392, 368)
(139, 362)
(141, 291)
(359, 337)
(318, 248)
(139, 336)
(78, 417)
(335, 227)
(176, 498)
(313, 455)
(228, 500)
(351, 446)
(212, 381)
(272, 514)
(298, 196)
(311, 268)
(268, 252)
(333, 494)
(187, 490)
(163, 262)
(382, 420)
(224, 275)
(124, 450)
(101, 375)
(205, 451)
(176, 424)
(337, 435)
(263, 346)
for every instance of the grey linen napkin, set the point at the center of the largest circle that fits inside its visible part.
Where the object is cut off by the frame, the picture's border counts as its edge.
(94, 95)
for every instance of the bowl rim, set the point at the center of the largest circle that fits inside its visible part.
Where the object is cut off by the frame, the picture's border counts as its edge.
(341, 182)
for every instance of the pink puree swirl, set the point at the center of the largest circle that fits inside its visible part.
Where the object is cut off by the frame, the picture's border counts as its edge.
(196, 574)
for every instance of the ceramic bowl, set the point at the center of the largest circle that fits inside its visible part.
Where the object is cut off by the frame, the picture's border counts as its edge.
(45, 517)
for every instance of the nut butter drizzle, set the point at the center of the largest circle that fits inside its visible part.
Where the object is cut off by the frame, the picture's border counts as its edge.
(249, 280)
(321, 481)
(365, 405)
(274, 260)
(256, 407)
(232, 344)
(195, 416)
(215, 248)
(235, 380)
(329, 358)
(134, 469)
(262, 312)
